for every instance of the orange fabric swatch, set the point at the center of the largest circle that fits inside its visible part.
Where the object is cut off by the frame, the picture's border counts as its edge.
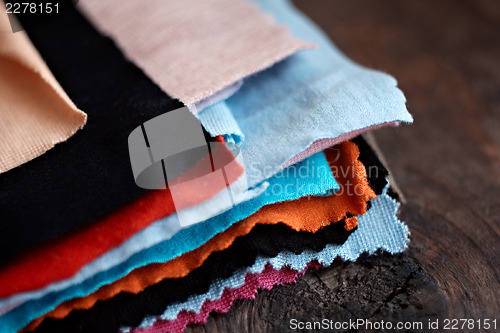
(35, 112)
(305, 214)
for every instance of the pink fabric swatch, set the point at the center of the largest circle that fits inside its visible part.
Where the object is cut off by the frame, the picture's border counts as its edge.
(267, 279)
(192, 49)
(322, 144)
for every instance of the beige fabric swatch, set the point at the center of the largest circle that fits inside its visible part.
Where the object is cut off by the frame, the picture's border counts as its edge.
(35, 112)
(193, 48)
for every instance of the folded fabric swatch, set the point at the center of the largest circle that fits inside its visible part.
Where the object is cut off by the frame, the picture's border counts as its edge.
(35, 112)
(316, 179)
(322, 144)
(378, 229)
(304, 214)
(130, 309)
(311, 95)
(267, 279)
(94, 178)
(166, 39)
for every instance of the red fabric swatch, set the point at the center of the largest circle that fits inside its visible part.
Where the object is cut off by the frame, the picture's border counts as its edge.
(63, 257)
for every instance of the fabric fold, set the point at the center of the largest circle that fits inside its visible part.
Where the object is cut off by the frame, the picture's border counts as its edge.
(35, 112)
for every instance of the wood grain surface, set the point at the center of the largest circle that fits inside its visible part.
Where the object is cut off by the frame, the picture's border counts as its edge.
(445, 55)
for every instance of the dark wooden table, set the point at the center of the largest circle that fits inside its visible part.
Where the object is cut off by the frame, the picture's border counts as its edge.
(446, 57)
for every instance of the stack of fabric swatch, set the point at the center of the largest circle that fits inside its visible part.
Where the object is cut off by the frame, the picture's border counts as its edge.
(87, 247)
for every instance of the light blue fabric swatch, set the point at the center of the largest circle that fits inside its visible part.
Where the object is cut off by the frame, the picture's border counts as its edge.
(379, 229)
(310, 177)
(311, 95)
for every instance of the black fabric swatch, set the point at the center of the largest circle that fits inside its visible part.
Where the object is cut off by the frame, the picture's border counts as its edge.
(89, 175)
(127, 309)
